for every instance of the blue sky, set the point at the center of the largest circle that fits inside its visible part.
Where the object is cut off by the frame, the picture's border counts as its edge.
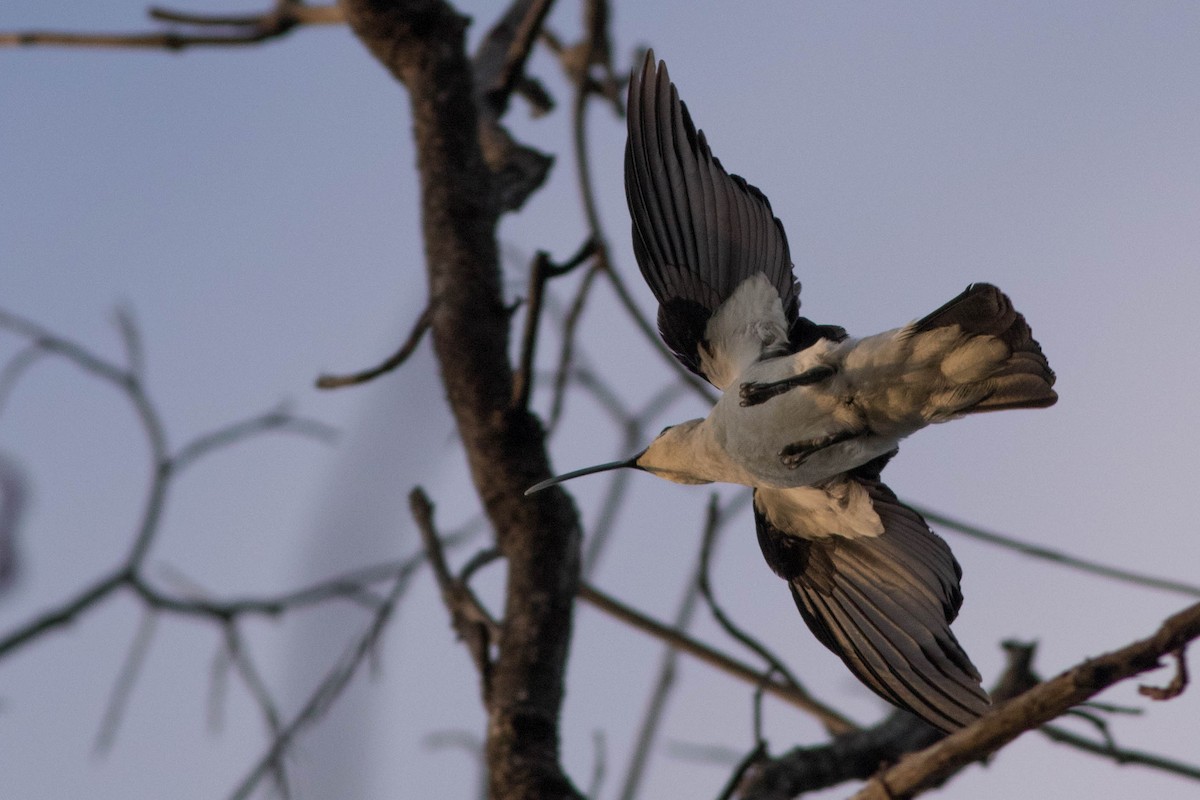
(256, 210)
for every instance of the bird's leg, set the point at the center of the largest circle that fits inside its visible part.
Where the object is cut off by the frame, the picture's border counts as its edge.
(754, 393)
(797, 453)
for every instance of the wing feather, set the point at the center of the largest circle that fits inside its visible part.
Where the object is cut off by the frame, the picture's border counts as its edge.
(698, 231)
(883, 604)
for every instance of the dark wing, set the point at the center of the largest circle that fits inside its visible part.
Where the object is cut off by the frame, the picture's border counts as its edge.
(698, 231)
(884, 605)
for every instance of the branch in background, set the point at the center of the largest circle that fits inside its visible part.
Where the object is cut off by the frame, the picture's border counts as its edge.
(392, 362)
(1055, 556)
(129, 575)
(234, 30)
(834, 724)
(731, 666)
(498, 69)
(14, 492)
(327, 692)
(540, 271)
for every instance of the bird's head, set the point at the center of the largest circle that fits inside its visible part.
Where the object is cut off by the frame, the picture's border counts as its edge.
(670, 456)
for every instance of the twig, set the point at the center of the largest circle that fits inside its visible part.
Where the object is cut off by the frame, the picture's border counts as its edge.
(123, 687)
(392, 362)
(1056, 556)
(615, 608)
(471, 620)
(920, 771)
(659, 694)
(1120, 755)
(541, 270)
(757, 754)
(566, 350)
(242, 30)
(774, 662)
(1177, 684)
(330, 688)
(252, 679)
(280, 420)
(131, 338)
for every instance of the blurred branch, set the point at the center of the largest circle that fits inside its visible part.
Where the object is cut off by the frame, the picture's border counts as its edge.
(331, 687)
(235, 30)
(391, 363)
(1056, 556)
(834, 724)
(129, 575)
(1120, 755)
(731, 666)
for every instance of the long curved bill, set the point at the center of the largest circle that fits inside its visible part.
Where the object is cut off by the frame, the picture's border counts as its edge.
(629, 462)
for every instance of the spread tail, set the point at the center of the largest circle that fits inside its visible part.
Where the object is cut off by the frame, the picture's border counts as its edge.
(1021, 380)
(975, 353)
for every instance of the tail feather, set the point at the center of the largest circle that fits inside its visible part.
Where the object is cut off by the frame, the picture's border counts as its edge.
(1023, 380)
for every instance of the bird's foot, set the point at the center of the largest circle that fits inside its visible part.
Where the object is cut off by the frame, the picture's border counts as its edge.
(797, 453)
(753, 393)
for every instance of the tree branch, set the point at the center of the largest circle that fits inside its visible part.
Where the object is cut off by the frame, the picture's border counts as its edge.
(421, 42)
(920, 771)
(240, 30)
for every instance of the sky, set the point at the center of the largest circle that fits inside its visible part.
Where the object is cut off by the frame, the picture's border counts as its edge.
(255, 210)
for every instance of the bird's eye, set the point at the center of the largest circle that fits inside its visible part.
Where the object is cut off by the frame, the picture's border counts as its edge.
(664, 430)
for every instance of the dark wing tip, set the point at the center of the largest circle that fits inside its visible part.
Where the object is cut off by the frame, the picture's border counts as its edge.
(698, 231)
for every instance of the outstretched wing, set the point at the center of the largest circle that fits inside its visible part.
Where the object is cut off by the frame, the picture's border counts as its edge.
(698, 232)
(882, 603)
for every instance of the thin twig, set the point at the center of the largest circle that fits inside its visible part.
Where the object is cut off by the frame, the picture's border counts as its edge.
(123, 687)
(473, 623)
(541, 270)
(1055, 556)
(657, 703)
(1121, 755)
(242, 30)
(706, 591)
(392, 362)
(802, 700)
(330, 688)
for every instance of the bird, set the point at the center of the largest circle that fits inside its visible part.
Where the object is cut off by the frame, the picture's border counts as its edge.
(808, 416)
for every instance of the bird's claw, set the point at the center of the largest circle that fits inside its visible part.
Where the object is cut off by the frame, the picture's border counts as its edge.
(753, 393)
(795, 454)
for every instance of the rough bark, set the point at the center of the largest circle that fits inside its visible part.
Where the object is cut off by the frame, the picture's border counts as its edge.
(422, 44)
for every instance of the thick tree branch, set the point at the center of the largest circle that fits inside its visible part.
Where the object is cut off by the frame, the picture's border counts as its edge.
(421, 42)
(923, 770)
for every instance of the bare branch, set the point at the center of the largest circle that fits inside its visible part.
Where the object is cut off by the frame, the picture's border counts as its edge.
(279, 420)
(1120, 755)
(540, 271)
(392, 362)
(123, 687)
(240, 30)
(471, 620)
(920, 771)
(1177, 684)
(834, 724)
(1056, 556)
(327, 692)
(731, 666)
